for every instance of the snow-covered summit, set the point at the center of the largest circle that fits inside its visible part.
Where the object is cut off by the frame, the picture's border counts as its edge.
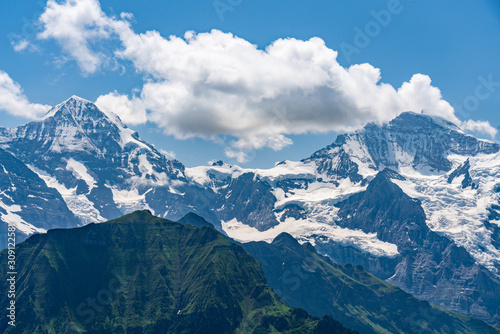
(77, 125)
(77, 108)
(81, 109)
(100, 166)
(410, 119)
(411, 140)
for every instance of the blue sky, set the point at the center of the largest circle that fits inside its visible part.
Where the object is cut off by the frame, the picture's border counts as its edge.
(456, 44)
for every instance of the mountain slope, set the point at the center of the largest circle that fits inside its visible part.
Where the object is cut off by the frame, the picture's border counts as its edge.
(303, 278)
(453, 174)
(101, 168)
(144, 274)
(27, 203)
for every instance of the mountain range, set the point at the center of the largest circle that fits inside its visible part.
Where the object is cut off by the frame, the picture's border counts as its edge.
(415, 201)
(144, 274)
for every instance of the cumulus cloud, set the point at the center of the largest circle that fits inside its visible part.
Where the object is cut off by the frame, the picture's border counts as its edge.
(76, 25)
(240, 156)
(418, 94)
(13, 100)
(216, 84)
(480, 127)
(131, 111)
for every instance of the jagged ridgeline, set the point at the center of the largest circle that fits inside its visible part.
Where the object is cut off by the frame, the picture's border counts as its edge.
(143, 274)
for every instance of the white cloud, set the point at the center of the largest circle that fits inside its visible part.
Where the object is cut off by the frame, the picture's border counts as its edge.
(419, 94)
(13, 100)
(76, 25)
(168, 154)
(21, 45)
(240, 156)
(480, 127)
(131, 111)
(216, 84)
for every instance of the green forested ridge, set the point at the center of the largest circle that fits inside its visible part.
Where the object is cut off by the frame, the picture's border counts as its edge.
(143, 274)
(358, 299)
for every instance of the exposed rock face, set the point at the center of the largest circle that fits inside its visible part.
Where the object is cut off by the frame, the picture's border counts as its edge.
(333, 161)
(463, 170)
(248, 199)
(25, 198)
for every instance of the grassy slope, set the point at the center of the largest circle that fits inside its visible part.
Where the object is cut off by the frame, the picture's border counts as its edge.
(143, 274)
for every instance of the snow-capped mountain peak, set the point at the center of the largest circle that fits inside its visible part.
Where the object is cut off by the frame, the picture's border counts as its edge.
(81, 111)
(97, 164)
(411, 140)
(77, 108)
(418, 121)
(77, 124)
